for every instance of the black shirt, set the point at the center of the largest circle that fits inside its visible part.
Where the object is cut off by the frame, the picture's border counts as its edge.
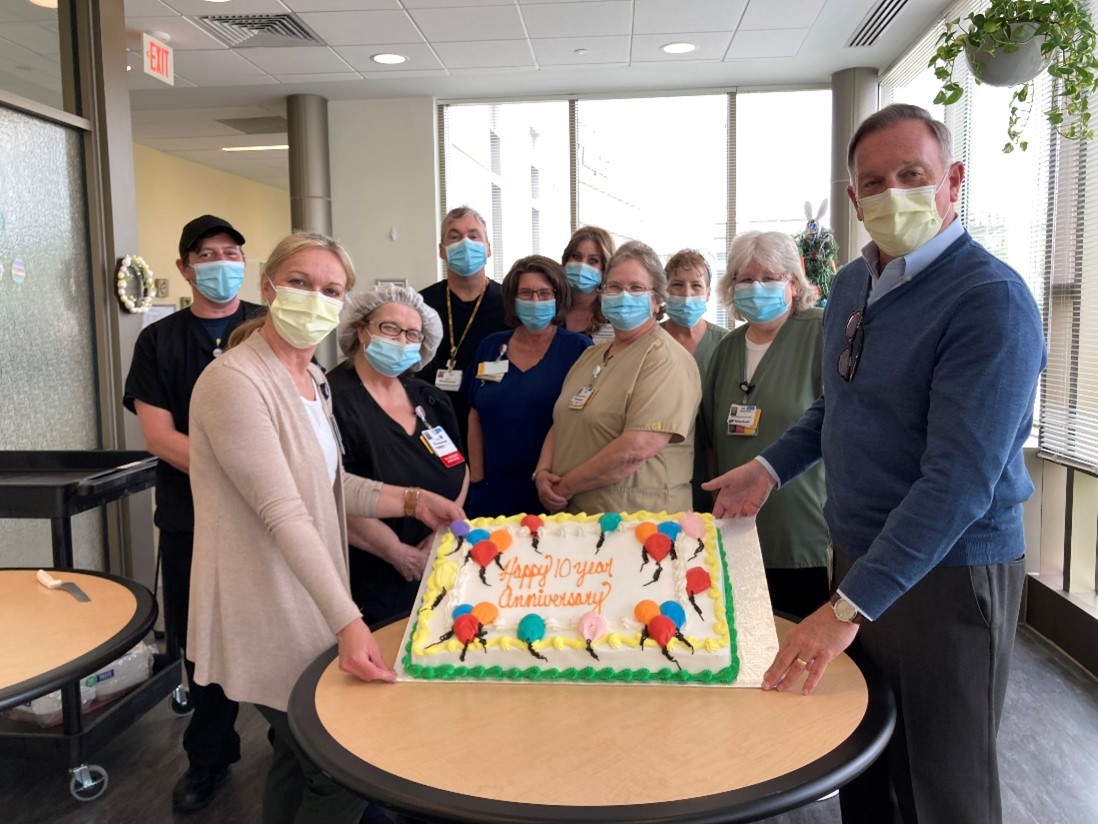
(489, 319)
(167, 359)
(378, 447)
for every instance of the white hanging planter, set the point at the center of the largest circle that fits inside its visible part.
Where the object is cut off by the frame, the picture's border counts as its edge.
(1009, 68)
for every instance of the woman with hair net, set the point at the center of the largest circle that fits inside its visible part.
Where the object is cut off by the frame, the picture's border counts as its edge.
(397, 429)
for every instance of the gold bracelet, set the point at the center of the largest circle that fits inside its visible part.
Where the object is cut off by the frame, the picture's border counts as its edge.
(411, 498)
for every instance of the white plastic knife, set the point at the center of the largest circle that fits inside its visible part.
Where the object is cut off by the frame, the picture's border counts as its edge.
(49, 582)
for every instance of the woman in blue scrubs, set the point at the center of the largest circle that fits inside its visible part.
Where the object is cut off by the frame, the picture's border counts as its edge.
(514, 385)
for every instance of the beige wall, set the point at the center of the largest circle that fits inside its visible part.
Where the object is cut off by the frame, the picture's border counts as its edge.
(171, 191)
(384, 167)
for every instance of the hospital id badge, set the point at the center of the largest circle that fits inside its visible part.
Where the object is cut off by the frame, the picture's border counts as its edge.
(448, 379)
(492, 370)
(743, 419)
(582, 396)
(439, 442)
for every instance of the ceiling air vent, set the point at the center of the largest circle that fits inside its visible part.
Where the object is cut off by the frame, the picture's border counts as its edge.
(246, 31)
(874, 23)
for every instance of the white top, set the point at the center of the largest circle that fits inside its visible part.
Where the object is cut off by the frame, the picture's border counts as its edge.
(755, 352)
(318, 417)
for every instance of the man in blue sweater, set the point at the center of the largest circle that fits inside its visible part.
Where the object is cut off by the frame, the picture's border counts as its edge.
(932, 353)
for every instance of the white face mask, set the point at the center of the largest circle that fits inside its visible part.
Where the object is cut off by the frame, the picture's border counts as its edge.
(902, 220)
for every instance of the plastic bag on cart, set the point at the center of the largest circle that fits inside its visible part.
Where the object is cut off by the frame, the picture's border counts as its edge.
(124, 673)
(46, 710)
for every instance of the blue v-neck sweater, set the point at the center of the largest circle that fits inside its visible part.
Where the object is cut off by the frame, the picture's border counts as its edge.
(923, 448)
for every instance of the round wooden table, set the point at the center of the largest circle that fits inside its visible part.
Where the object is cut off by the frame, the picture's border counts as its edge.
(49, 638)
(589, 753)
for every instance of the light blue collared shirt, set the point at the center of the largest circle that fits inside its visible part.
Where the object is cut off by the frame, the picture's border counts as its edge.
(902, 269)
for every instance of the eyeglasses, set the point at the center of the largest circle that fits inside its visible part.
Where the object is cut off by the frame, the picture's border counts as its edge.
(535, 294)
(391, 330)
(855, 341)
(615, 289)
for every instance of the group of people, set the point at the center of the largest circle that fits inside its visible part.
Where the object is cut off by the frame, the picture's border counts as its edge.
(596, 384)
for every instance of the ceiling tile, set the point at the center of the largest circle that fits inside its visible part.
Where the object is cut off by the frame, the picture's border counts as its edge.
(601, 17)
(670, 16)
(147, 8)
(470, 24)
(420, 57)
(483, 55)
(183, 35)
(711, 46)
(763, 43)
(328, 77)
(196, 8)
(219, 68)
(559, 51)
(452, 4)
(198, 127)
(341, 5)
(354, 28)
(296, 60)
(781, 14)
(33, 36)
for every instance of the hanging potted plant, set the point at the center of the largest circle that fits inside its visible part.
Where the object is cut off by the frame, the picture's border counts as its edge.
(1009, 43)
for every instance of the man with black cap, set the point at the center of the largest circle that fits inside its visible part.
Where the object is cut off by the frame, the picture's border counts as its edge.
(168, 357)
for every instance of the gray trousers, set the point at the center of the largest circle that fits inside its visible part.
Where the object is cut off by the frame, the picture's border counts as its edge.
(297, 792)
(945, 648)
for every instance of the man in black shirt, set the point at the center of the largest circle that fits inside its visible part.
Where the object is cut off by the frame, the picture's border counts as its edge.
(469, 303)
(168, 357)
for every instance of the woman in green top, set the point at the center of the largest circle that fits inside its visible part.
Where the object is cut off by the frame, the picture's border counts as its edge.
(760, 380)
(688, 286)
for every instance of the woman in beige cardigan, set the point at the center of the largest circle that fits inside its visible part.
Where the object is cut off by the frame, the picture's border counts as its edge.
(269, 586)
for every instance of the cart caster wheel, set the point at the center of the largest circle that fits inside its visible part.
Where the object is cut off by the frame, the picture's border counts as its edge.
(88, 782)
(181, 702)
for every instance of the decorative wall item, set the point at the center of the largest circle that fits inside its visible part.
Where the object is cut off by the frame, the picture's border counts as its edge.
(18, 271)
(135, 284)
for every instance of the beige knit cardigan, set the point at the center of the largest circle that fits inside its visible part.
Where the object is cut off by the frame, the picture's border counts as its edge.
(269, 583)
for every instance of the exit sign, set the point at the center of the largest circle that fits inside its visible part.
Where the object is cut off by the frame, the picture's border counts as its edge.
(158, 59)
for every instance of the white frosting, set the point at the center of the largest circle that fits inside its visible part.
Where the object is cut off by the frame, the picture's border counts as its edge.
(611, 580)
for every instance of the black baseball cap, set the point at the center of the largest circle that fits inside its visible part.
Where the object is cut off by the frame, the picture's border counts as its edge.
(200, 227)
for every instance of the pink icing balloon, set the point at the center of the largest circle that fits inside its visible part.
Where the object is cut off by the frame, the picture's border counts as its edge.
(592, 626)
(692, 524)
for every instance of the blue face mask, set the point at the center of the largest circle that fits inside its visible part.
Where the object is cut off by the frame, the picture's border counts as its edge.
(686, 311)
(761, 302)
(535, 314)
(466, 257)
(219, 280)
(581, 277)
(391, 358)
(626, 311)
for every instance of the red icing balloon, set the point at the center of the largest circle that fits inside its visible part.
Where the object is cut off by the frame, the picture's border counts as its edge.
(467, 626)
(657, 546)
(531, 522)
(697, 580)
(484, 552)
(661, 629)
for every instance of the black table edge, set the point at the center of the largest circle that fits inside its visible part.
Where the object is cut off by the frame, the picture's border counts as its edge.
(144, 617)
(795, 789)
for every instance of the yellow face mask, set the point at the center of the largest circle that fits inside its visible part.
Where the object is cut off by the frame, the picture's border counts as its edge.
(902, 220)
(303, 318)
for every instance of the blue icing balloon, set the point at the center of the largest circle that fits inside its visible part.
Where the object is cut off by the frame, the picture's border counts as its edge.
(461, 609)
(531, 628)
(609, 521)
(670, 529)
(477, 535)
(674, 611)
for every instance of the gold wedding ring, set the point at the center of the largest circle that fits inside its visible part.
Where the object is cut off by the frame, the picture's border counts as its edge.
(802, 662)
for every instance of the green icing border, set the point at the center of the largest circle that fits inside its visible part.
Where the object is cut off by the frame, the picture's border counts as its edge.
(725, 675)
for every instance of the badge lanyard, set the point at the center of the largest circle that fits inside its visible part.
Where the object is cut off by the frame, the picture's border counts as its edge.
(468, 325)
(585, 393)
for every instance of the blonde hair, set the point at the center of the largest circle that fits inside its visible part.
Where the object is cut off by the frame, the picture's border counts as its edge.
(301, 241)
(244, 330)
(774, 251)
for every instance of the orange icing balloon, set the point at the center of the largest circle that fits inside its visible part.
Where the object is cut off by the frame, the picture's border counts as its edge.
(645, 530)
(645, 611)
(486, 612)
(501, 538)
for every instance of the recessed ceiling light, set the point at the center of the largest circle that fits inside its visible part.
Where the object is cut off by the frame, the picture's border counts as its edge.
(678, 48)
(579, 51)
(389, 59)
(46, 4)
(254, 148)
